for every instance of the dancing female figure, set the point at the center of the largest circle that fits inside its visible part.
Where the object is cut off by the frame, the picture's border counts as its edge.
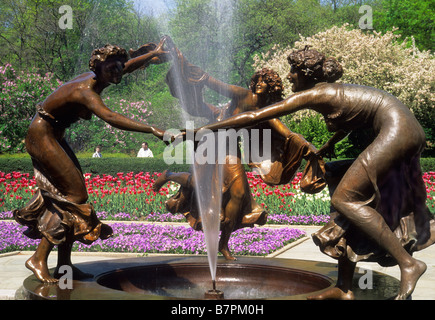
(239, 208)
(59, 213)
(382, 193)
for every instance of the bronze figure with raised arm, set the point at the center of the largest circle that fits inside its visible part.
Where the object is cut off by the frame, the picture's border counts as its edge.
(59, 214)
(265, 88)
(239, 208)
(381, 195)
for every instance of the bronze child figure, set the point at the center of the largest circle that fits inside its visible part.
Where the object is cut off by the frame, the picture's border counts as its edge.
(239, 208)
(59, 214)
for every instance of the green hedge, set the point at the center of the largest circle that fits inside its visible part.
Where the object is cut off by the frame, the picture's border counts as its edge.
(114, 165)
(427, 164)
(100, 165)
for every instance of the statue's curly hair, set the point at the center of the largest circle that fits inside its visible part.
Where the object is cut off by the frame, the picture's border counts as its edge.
(273, 80)
(315, 65)
(101, 54)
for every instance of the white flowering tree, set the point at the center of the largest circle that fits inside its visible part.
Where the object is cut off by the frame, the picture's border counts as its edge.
(372, 59)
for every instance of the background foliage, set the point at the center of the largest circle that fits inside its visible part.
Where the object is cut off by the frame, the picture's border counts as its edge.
(21, 91)
(221, 36)
(371, 59)
(118, 163)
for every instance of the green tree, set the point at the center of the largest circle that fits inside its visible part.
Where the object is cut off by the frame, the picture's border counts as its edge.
(31, 36)
(413, 18)
(223, 36)
(204, 31)
(372, 59)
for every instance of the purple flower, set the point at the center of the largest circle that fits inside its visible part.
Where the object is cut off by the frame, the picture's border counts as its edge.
(157, 238)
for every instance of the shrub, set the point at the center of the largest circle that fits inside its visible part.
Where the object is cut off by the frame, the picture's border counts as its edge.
(374, 60)
(85, 135)
(114, 165)
(100, 166)
(314, 130)
(20, 93)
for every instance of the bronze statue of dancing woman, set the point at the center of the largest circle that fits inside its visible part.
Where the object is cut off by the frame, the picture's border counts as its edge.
(239, 208)
(59, 214)
(382, 193)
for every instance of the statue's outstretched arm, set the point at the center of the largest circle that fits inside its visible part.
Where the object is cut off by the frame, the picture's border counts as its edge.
(96, 106)
(292, 104)
(224, 89)
(156, 56)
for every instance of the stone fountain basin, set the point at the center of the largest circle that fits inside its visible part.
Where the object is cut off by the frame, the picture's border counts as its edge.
(236, 280)
(181, 277)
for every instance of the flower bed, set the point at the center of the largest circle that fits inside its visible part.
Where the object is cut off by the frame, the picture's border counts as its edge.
(156, 238)
(130, 197)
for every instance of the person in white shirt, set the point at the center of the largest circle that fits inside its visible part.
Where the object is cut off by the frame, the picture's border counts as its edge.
(145, 152)
(97, 153)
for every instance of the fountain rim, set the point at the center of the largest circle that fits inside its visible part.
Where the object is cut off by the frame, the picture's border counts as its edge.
(89, 289)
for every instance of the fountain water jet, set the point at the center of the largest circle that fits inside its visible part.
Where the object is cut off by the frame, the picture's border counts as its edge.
(208, 190)
(207, 176)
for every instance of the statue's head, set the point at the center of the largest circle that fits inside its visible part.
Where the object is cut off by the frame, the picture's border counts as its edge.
(310, 66)
(108, 62)
(271, 81)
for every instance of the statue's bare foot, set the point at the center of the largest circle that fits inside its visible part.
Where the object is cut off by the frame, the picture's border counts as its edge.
(333, 294)
(227, 254)
(161, 180)
(40, 270)
(409, 277)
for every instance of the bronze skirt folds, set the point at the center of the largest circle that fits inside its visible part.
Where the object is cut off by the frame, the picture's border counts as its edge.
(397, 200)
(50, 216)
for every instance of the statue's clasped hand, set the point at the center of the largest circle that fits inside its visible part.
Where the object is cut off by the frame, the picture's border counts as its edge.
(327, 150)
(163, 49)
